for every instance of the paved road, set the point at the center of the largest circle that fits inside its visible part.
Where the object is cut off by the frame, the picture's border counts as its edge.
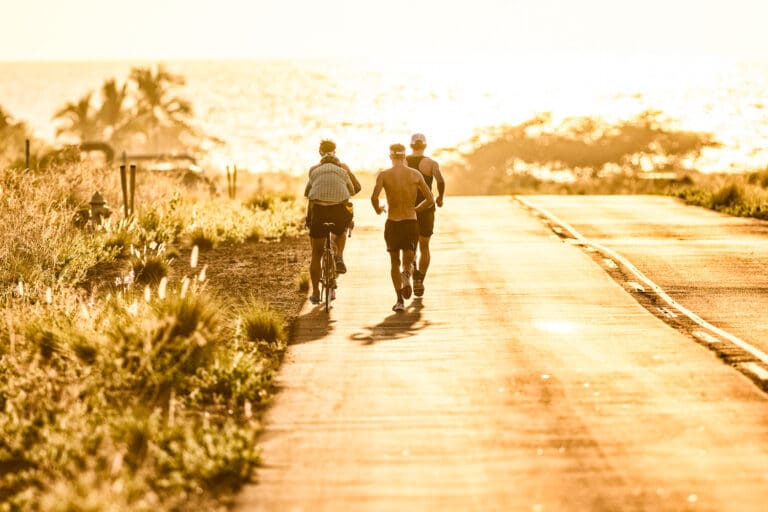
(713, 264)
(526, 379)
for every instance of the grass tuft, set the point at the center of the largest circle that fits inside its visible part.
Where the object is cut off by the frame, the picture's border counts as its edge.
(303, 282)
(150, 269)
(261, 322)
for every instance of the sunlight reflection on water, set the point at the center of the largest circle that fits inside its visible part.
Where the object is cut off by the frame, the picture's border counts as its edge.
(273, 113)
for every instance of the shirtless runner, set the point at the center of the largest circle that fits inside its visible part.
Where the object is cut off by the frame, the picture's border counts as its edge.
(401, 232)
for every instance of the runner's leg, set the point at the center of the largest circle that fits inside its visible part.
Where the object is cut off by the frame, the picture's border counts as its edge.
(394, 272)
(424, 256)
(341, 242)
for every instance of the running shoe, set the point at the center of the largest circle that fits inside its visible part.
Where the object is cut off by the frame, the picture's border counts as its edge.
(341, 268)
(399, 306)
(314, 299)
(406, 289)
(418, 284)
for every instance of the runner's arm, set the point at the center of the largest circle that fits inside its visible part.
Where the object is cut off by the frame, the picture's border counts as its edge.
(376, 193)
(428, 201)
(355, 182)
(440, 184)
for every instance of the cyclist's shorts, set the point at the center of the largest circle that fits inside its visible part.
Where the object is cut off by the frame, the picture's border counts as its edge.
(401, 235)
(336, 213)
(426, 222)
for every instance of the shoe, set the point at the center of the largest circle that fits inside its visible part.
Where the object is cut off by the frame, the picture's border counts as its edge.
(314, 299)
(399, 306)
(418, 284)
(406, 289)
(341, 268)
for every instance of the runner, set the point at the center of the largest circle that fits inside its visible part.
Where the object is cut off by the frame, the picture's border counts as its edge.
(430, 169)
(401, 233)
(328, 189)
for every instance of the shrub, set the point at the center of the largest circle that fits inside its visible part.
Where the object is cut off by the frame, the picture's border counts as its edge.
(727, 196)
(260, 322)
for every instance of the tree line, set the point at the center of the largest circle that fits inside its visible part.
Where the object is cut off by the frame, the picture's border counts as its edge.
(143, 114)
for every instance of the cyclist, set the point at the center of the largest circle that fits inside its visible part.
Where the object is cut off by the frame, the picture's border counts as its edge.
(329, 187)
(429, 169)
(401, 185)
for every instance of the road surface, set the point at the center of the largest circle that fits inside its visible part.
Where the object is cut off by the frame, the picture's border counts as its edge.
(526, 379)
(712, 263)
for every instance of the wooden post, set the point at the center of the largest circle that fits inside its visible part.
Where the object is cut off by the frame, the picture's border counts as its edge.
(234, 180)
(124, 187)
(133, 186)
(229, 184)
(26, 153)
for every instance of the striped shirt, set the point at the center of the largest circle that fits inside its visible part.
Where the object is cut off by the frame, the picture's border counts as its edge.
(329, 183)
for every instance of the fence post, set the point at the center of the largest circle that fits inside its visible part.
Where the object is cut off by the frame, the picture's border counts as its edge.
(26, 153)
(234, 180)
(229, 184)
(124, 187)
(133, 186)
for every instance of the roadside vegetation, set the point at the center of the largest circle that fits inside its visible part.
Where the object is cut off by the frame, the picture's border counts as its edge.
(125, 382)
(642, 155)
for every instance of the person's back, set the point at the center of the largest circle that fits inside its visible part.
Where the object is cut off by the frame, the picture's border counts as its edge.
(329, 183)
(424, 165)
(401, 186)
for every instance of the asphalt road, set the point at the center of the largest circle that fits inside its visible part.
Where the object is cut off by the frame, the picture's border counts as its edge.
(525, 379)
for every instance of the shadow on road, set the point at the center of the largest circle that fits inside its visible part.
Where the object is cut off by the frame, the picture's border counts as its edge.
(311, 326)
(394, 327)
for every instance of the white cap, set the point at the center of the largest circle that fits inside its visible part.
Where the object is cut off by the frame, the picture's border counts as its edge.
(418, 137)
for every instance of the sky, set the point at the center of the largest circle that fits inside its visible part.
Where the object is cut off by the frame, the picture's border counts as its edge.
(244, 29)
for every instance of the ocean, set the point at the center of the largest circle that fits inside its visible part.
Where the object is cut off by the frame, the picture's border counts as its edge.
(273, 113)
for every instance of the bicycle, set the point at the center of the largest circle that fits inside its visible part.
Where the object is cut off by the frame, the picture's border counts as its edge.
(328, 269)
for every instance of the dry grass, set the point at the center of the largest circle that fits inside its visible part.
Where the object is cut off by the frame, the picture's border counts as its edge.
(140, 393)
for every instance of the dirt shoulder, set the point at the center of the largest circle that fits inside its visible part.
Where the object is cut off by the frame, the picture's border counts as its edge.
(266, 270)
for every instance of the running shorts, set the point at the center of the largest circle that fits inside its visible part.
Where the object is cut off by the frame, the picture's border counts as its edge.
(426, 222)
(401, 235)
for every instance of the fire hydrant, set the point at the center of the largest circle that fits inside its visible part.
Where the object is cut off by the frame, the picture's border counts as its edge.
(99, 209)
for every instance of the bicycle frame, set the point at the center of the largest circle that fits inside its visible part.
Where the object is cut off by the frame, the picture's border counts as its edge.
(327, 271)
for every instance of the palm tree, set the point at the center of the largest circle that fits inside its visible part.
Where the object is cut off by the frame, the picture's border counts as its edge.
(12, 135)
(113, 117)
(165, 116)
(80, 120)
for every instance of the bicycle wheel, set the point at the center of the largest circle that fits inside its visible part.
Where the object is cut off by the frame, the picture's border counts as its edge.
(327, 275)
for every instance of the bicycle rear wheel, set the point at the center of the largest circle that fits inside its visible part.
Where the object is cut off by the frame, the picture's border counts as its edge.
(327, 280)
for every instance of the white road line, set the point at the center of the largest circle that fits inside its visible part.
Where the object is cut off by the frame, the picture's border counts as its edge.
(756, 352)
(705, 336)
(756, 370)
